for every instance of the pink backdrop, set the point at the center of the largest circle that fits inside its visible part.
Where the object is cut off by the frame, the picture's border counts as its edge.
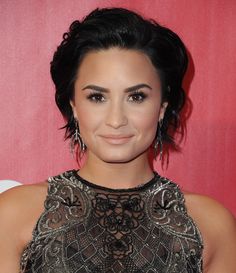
(32, 147)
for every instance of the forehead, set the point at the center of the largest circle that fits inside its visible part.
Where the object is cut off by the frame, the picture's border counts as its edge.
(117, 65)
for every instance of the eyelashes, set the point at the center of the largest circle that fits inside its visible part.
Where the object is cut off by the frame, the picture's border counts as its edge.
(135, 97)
(96, 97)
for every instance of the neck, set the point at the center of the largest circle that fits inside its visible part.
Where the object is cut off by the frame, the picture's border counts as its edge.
(117, 175)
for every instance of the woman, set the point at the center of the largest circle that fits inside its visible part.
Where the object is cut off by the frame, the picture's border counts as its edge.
(118, 84)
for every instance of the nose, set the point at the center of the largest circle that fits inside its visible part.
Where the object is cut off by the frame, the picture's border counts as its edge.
(116, 116)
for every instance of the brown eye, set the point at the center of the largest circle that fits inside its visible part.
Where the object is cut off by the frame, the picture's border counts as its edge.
(137, 97)
(96, 97)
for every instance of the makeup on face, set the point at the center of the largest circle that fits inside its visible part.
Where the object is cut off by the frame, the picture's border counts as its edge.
(117, 103)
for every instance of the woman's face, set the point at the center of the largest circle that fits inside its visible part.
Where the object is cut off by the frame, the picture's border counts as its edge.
(117, 104)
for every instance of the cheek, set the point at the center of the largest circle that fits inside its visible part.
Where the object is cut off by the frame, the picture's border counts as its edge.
(88, 120)
(148, 124)
(147, 119)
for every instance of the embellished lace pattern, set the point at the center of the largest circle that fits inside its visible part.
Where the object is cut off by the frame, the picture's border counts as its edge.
(87, 228)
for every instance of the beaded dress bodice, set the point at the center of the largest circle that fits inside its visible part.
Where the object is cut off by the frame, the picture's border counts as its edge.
(86, 228)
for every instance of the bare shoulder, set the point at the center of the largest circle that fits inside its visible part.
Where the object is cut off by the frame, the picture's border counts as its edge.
(20, 207)
(22, 198)
(218, 228)
(21, 203)
(18, 191)
(204, 208)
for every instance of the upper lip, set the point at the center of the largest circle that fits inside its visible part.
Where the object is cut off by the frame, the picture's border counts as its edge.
(116, 136)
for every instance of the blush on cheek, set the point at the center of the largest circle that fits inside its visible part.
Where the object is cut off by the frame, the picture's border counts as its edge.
(149, 122)
(88, 128)
(148, 127)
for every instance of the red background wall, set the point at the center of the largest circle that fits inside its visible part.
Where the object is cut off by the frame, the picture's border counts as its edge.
(32, 147)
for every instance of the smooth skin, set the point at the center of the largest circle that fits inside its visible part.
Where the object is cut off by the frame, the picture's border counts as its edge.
(117, 104)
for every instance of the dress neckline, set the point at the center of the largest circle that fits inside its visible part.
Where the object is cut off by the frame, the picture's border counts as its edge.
(140, 187)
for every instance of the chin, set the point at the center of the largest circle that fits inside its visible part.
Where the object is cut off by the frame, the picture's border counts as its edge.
(117, 161)
(125, 158)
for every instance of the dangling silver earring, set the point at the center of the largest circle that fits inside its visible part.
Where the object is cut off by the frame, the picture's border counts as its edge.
(77, 139)
(158, 142)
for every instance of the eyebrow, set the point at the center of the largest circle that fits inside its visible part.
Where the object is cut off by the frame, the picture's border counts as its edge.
(127, 90)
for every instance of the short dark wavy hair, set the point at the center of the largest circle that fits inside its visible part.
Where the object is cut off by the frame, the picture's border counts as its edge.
(122, 28)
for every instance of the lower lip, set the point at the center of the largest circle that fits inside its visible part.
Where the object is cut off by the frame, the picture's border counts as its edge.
(121, 140)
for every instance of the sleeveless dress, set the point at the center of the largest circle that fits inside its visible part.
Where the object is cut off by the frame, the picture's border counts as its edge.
(86, 228)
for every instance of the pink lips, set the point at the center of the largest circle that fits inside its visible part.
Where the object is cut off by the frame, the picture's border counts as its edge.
(116, 139)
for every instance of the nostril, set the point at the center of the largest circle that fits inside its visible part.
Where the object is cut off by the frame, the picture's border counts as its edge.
(116, 118)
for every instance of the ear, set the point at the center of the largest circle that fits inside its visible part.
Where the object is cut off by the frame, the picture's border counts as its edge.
(162, 110)
(72, 104)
